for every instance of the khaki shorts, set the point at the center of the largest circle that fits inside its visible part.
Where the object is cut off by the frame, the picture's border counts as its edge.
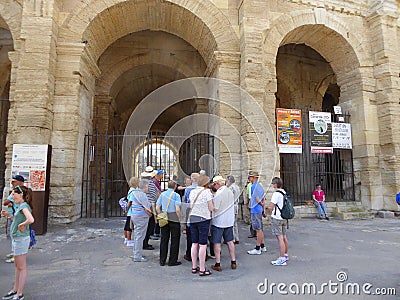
(278, 226)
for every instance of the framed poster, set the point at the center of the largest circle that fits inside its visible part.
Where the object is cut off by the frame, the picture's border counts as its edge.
(321, 132)
(30, 161)
(341, 136)
(289, 130)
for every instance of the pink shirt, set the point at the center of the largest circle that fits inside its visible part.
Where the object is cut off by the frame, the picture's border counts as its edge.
(319, 195)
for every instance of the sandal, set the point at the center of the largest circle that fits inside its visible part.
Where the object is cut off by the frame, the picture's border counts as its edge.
(195, 270)
(205, 273)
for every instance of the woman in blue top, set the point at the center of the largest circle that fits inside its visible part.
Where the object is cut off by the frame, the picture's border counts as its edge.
(20, 235)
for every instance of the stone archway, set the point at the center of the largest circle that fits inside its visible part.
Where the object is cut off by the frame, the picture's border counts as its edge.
(88, 32)
(331, 38)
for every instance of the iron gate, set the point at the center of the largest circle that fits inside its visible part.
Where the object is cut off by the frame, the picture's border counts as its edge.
(301, 172)
(103, 177)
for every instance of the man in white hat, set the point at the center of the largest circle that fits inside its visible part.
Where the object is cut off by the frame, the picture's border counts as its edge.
(152, 195)
(222, 222)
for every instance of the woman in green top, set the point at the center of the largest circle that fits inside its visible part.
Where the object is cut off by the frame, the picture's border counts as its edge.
(20, 235)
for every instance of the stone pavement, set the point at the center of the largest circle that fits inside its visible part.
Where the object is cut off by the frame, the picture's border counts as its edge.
(88, 260)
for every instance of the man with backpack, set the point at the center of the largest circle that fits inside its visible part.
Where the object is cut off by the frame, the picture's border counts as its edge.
(278, 224)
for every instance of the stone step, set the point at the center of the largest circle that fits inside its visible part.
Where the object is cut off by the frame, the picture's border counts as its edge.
(354, 215)
(343, 209)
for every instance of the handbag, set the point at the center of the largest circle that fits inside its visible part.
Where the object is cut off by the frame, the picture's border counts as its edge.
(162, 217)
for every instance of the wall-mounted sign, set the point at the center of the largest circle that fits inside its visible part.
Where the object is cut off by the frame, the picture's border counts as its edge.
(289, 130)
(30, 161)
(321, 132)
(337, 110)
(341, 135)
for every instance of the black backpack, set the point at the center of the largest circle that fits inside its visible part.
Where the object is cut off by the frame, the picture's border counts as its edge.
(287, 210)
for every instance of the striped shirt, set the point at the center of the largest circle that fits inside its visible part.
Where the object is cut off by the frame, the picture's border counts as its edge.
(152, 193)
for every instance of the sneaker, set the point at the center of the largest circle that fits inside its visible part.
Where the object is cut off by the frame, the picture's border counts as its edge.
(10, 260)
(286, 257)
(279, 262)
(130, 243)
(142, 259)
(9, 255)
(263, 249)
(327, 218)
(16, 297)
(125, 240)
(9, 295)
(254, 252)
(154, 238)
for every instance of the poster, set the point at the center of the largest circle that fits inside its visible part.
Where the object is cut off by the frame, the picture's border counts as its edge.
(30, 161)
(321, 132)
(289, 130)
(341, 136)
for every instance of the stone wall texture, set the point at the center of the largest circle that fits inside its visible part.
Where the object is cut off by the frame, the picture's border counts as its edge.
(69, 67)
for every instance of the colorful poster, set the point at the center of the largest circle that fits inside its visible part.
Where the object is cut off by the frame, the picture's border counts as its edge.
(320, 124)
(289, 130)
(30, 161)
(341, 136)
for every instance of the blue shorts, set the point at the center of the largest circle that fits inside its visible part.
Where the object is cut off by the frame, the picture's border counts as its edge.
(256, 221)
(20, 245)
(199, 228)
(218, 233)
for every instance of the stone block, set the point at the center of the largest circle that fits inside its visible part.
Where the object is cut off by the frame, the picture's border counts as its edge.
(385, 214)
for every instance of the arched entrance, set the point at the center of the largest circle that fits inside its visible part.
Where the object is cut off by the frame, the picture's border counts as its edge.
(6, 46)
(134, 56)
(317, 37)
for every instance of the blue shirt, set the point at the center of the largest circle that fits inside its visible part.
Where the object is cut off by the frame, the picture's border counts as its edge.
(129, 212)
(175, 201)
(256, 191)
(139, 202)
(187, 192)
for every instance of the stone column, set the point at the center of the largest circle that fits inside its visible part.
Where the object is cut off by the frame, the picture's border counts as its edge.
(73, 107)
(226, 66)
(32, 77)
(383, 28)
(253, 21)
(102, 114)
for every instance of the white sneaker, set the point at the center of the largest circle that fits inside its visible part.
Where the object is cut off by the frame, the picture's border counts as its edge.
(279, 262)
(9, 255)
(263, 249)
(125, 241)
(254, 252)
(130, 243)
(286, 257)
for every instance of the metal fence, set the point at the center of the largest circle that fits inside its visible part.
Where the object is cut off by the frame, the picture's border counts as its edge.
(103, 176)
(301, 172)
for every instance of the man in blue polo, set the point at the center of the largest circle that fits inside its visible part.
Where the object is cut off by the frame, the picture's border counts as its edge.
(257, 203)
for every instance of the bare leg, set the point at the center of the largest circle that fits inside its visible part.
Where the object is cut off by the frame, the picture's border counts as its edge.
(281, 245)
(260, 237)
(217, 252)
(231, 247)
(202, 257)
(21, 272)
(195, 254)
(285, 240)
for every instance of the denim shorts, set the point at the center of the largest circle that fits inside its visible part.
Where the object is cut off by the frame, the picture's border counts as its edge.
(218, 233)
(256, 221)
(20, 245)
(199, 228)
(278, 226)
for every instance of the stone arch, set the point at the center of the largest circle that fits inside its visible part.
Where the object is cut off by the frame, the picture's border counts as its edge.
(106, 80)
(10, 18)
(312, 27)
(198, 22)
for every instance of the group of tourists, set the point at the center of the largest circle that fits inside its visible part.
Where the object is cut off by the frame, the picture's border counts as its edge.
(208, 208)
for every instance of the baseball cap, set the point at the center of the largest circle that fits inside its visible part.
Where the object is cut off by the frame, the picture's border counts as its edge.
(18, 178)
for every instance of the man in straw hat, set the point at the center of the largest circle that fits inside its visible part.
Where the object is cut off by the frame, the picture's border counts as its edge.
(257, 204)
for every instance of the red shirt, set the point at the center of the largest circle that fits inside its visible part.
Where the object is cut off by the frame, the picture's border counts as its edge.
(319, 195)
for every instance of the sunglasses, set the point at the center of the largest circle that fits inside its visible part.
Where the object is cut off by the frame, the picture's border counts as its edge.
(18, 189)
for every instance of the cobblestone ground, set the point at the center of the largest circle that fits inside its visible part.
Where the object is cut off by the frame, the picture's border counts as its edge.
(88, 260)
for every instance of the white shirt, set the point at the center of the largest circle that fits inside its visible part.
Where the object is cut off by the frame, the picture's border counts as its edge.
(224, 200)
(277, 199)
(200, 208)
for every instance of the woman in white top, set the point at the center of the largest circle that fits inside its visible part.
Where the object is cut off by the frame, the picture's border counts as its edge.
(200, 215)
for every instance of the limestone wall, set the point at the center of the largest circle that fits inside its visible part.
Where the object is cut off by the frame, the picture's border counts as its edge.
(58, 47)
